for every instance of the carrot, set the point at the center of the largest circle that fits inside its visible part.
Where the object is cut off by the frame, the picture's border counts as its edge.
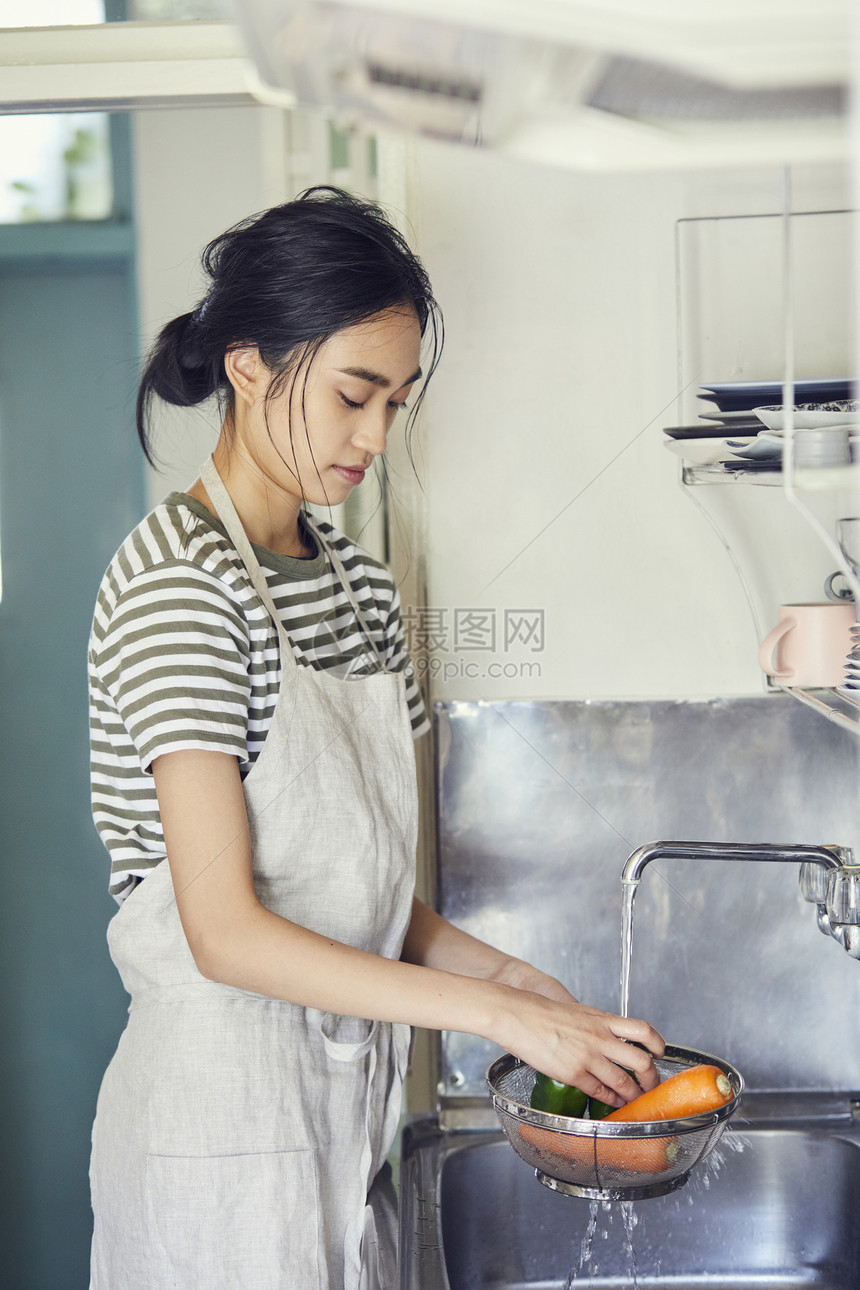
(637, 1155)
(690, 1092)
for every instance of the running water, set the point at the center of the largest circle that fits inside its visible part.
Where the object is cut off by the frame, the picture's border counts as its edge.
(628, 890)
(629, 1219)
(588, 1260)
(586, 1250)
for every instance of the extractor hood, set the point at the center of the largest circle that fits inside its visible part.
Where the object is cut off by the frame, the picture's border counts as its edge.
(598, 84)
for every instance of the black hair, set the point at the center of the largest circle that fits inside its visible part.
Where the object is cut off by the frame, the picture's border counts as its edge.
(285, 281)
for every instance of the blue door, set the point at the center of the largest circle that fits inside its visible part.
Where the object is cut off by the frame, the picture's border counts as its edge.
(71, 487)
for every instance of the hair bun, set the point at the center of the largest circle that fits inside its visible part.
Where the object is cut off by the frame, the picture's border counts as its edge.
(178, 370)
(191, 348)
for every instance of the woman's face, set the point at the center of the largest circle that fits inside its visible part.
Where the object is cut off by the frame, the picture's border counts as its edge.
(317, 438)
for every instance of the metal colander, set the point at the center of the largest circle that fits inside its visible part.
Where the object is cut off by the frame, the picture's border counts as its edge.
(608, 1161)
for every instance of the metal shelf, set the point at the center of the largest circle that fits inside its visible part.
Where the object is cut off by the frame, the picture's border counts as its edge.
(804, 481)
(838, 706)
(712, 338)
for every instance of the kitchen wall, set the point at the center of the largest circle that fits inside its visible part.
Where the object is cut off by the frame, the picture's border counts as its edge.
(548, 510)
(546, 485)
(197, 171)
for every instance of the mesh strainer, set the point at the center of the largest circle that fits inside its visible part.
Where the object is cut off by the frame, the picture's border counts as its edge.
(608, 1161)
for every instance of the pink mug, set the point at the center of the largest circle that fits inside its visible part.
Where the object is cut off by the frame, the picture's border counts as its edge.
(809, 646)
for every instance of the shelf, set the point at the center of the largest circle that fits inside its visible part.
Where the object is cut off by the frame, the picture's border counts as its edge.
(736, 279)
(804, 480)
(836, 705)
(716, 475)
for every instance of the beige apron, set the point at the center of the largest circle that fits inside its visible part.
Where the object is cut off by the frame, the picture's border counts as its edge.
(237, 1137)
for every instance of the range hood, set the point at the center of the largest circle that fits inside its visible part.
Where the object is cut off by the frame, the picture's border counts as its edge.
(604, 84)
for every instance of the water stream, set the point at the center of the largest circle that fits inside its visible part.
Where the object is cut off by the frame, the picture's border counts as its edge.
(628, 890)
(629, 1219)
(587, 1258)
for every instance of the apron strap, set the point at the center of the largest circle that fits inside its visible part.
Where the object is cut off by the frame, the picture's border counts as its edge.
(229, 518)
(217, 490)
(345, 583)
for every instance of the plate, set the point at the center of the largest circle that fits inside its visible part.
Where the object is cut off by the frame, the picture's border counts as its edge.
(707, 431)
(740, 387)
(732, 396)
(736, 466)
(809, 417)
(745, 416)
(700, 452)
(764, 447)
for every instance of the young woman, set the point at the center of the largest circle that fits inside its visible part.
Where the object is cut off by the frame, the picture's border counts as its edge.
(253, 710)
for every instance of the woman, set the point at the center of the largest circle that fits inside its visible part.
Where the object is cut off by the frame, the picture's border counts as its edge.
(253, 710)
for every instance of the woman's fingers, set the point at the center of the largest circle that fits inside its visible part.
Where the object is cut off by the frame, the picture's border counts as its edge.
(608, 1082)
(625, 1087)
(638, 1032)
(639, 1060)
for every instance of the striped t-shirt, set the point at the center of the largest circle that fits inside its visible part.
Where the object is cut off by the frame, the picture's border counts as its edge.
(183, 654)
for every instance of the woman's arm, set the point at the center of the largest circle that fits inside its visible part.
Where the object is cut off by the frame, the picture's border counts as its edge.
(434, 942)
(237, 941)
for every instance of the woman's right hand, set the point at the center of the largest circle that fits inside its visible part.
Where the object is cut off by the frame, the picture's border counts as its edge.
(583, 1046)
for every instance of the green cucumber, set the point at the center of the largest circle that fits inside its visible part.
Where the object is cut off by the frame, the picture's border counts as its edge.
(552, 1096)
(598, 1110)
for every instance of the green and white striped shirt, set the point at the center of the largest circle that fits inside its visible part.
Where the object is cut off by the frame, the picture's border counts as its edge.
(183, 654)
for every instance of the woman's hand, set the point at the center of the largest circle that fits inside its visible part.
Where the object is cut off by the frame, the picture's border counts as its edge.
(523, 976)
(580, 1045)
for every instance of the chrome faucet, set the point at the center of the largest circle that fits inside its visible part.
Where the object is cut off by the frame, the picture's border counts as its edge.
(829, 878)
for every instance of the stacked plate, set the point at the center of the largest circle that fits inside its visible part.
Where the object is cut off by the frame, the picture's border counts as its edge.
(736, 400)
(852, 663)
(743, 429)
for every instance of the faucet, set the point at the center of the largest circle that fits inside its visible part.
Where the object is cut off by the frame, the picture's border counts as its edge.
(829, 878)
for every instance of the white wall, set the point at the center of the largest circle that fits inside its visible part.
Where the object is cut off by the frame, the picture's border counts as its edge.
(547, 485)
(197, 171)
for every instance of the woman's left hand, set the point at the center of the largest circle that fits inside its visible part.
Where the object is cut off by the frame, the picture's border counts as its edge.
(523, 976)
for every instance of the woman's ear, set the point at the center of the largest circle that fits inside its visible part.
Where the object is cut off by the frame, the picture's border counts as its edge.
(247, 373)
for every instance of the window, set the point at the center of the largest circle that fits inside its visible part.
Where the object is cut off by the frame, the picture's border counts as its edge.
(54, 167)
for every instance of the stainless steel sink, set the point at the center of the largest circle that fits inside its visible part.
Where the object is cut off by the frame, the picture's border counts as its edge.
(779, 1209)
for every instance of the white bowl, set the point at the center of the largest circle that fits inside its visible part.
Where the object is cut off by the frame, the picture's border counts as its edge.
(808, 417)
